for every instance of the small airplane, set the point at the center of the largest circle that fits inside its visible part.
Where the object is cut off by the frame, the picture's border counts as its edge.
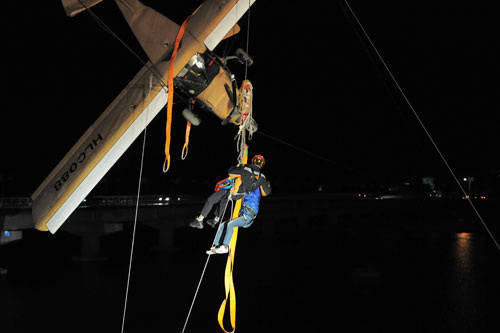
(196, 71)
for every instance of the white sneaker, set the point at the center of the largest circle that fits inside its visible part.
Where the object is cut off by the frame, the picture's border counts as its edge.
(211, 251)
(221, 249)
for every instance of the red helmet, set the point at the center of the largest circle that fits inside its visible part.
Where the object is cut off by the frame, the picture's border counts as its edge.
(258, 160)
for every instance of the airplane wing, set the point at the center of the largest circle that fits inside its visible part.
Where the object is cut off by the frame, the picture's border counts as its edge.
(132, 110)
(96, 151)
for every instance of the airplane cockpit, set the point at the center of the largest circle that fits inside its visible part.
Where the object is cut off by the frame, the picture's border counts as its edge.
(207, 80)
(197, 74)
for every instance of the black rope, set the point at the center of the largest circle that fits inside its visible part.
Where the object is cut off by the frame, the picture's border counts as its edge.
(424, 128)
(107, 29)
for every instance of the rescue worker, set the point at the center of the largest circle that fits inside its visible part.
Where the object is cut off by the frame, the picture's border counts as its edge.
(222, 191)
(254, 185)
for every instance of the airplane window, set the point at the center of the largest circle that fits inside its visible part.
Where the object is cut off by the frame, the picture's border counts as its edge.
(197, 74)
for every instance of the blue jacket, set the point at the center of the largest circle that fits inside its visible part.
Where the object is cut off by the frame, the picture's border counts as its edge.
(251, 202)
(254, 185)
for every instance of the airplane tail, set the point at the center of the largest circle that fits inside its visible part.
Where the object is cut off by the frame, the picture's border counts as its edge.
(73, 7)
(155, 32)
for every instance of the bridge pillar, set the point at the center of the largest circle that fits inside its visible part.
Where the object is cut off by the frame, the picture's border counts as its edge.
(91, 245)
(91, 234)
(166, 229)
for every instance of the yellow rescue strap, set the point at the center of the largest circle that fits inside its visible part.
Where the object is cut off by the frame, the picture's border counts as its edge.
(228, 275)
(171, 95)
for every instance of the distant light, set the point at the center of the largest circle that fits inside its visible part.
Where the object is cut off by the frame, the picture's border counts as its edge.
(465, 179)
(463, 235)
(160, 198)
(167, 199)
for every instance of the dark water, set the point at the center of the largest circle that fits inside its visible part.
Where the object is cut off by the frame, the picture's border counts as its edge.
(325, 279)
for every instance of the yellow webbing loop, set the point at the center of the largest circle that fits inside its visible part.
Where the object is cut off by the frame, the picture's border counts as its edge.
(170, 99)
(228, 275)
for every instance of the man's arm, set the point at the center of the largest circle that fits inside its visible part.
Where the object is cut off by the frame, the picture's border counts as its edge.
(265, 188)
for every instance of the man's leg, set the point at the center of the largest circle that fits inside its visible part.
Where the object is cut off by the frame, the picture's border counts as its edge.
(207, 207)
(213, 199)
(223, 248)
(238, 222)
(220, 210)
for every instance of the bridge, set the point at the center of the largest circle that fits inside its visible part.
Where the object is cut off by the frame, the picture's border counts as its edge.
(314, 212)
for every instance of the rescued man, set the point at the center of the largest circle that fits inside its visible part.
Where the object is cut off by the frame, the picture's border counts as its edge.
(253, 185)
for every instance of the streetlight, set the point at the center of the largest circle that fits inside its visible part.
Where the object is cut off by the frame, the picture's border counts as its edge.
(469, 180)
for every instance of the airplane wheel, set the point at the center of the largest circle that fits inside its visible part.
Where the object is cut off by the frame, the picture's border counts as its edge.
(191, 117)
(244, 57)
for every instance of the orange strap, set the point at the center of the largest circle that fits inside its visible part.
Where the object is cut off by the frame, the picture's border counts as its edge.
(186, 141)
(171, 95)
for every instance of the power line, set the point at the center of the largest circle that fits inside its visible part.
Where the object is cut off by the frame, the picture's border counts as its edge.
(417, 117)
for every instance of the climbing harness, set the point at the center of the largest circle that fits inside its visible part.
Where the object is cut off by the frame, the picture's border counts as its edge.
(224, 184)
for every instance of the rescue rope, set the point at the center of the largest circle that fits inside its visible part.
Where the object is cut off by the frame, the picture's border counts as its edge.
(247, 124)
(171, 94)
(248, 37)
(228, 275)
(229, 199)
(107, 29)
(230, 292)
(136, 210)
(423, 127)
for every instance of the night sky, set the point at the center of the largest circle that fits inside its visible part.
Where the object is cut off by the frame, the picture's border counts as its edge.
(329, 115)
(328, 112)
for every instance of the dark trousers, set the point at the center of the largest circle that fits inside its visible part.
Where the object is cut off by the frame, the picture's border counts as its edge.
(218, 197)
